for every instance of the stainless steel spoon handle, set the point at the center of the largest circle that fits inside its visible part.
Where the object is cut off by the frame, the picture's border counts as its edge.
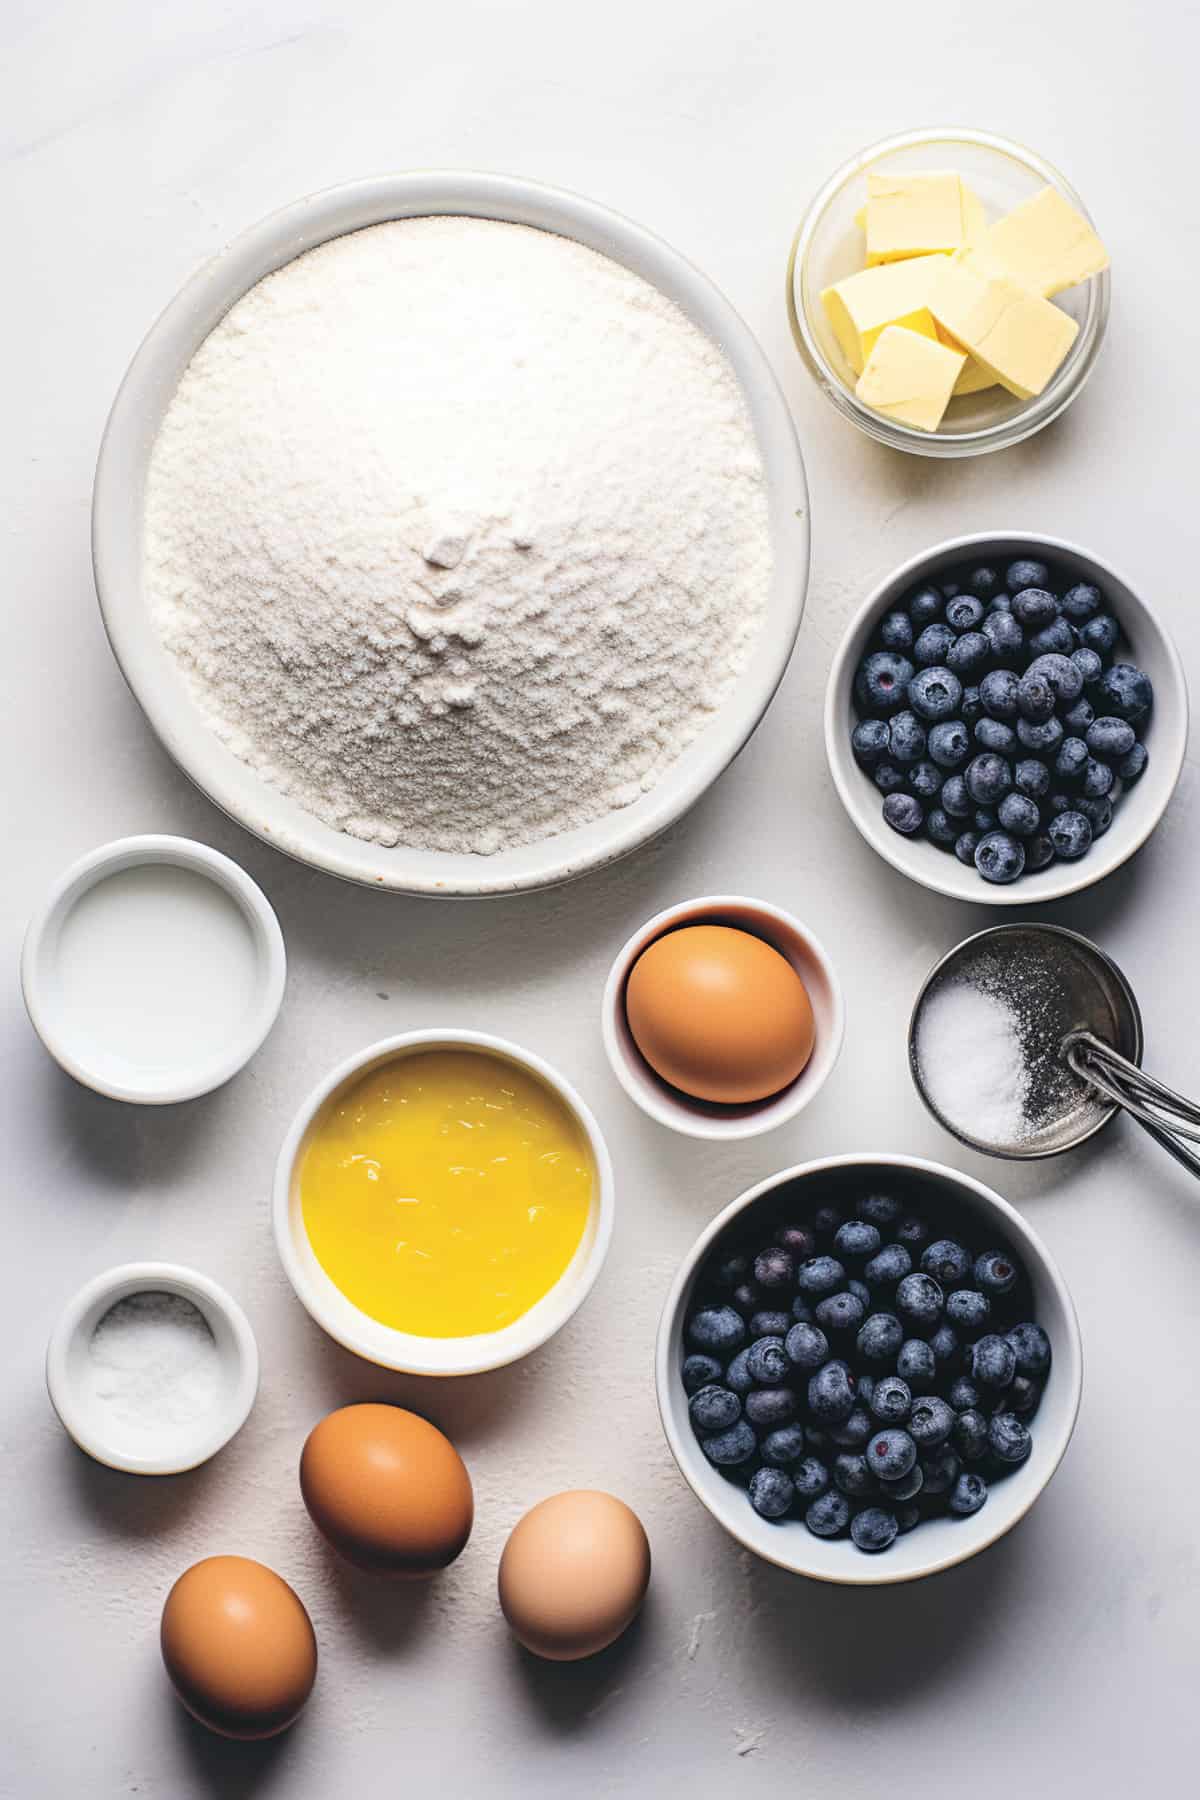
(1172, 1120)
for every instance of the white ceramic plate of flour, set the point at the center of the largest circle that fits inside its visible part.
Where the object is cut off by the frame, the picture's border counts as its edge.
(166, 687)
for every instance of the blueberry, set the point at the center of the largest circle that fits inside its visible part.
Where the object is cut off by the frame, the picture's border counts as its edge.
(956, 802)
(828, 1515)
(970, 1434)
(818, 1442)
(905, 1487)
(993, 1362)
(917, 1365)
(737, 1375)
(882, 682)
(1098, 813)
(768, 1362)
(852, 1474)
(1057, 639)
(919, 1298)
(771, 1493)
(714, 1409)
(747, 1298)
(821, 1275)
(999, 857)
(925, 781)
(949, 743)
(1031, 1347)
(1097, 779)
(969, 654)
(784, 1448)
(1008, 1438)
(947, 1262)
(908, 1514)
(880, 1337)
(854, 1431)
(1059, 803)
(966, 846)
(925, 605)
(967, 1495)
(1034, 607)
(1036, 699)
(930, 1422)
(1110, 739)
(775, 1267)
(994, 734)
(810, 1476)
(1024, 1394)
(1000, 603)
(998, 692)
(932, 645)
(770, 1324)
(1089, 664)
(906, 738)
(873, 1529)
(878, 1209)
(886, 776)
(964, 1394)
(968, 1309)
(887, 1268)
(840, 1312)
(988, 778)
(1039, 853)
(698, 1371)
(983, 581)
(940, 1469)
(826, 1219)
(831, 1393)
(729, 1448)
(964, 612)
(1031, 777)
(985, 820)
(1025, 572)
(891, 1400)
(1131, 768)
(940, 828)
(935, 692)
(995, 1272)
(1100, 634)
(944, 1344)
(1078, 719)
(1070, 763)
(861, 1292)
(1005, 637)
(972, 706)
(1044, 738)
(800, 1240)
(856, 1240)
(768, 1407)
(896, 632)
(912, 1232)
(1081, 602)
(1019, 816)
(717, 1329)
(802, 1310)
(1063, 677)
(891, 1454)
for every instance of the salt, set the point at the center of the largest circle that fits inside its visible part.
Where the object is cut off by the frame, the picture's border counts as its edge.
(973, 1065)
(152, 1363)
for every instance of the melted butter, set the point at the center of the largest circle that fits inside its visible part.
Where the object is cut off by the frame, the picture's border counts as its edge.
(445, 1193)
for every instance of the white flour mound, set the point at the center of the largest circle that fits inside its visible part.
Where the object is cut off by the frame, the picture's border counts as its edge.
(458, 531)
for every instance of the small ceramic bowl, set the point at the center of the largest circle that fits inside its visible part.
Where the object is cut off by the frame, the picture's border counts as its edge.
(153, 970)
(169, 1447)
(829, 246)
(703, 1118)
(935, 1544)
(1146, 642)
(413, 1354)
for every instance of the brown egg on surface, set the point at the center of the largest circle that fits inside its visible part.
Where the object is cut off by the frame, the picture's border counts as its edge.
(719, 1014)
(574, 1574)
(239, 1647)
(387, 1489)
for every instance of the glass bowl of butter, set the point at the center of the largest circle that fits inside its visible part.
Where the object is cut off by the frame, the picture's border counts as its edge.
(948, 291)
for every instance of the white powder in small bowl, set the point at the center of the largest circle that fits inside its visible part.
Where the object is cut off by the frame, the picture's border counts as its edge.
(972, 1063)
(152, 1363)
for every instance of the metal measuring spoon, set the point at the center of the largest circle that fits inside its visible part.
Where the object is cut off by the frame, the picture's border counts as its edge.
(1081, 1038)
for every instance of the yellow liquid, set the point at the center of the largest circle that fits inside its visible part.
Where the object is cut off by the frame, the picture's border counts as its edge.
(446, 1192)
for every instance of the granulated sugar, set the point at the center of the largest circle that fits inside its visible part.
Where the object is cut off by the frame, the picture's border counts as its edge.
(458, 531)
(972, 1062)
(153, 1362)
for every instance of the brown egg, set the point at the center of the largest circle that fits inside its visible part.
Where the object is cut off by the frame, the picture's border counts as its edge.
(719, 1014)
(239, 1647)
(574, 1574)
(387, 1489)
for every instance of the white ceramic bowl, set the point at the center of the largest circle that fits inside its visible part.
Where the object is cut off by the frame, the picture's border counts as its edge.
(71, 1032)
(416, 1355)
(935, 1544)
(702, 1118)
(1146, 642)
(175, 1447)
(157, 684)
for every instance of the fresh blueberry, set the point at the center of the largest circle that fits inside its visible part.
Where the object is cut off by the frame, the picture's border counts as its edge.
(896, 632)
(882, 682)
(768, 1407)
(1031, 777)
(940, 828)
(775, 1267)
(878, 1208)
(998, 691)
(964, 612)
(719, 1330)
(1131, 768)
(891, 1400)
(1000, 857)
(972, 705)
(967, 1495)
(944, 1344)
(956, 801)
(1063, 677)
(912, 1232)
(854, 1431)
(940, 1469)
(1008, 1437)
(1081, 602)
(771, 1493)
(873, 1529)
(828, 1515)
(729, 1272)
(856, 1240)
(1034, 607)
(1036, 699)
(935, 692)
(747, 1298)
(948, 1262)
(1110, 739)
(966, 846)
(968, 1309)
(986, 819)
(919, 1299)
(970, 1434)
(1057, 639)
(963, 1393)
(1070, 763)
(1100, 634)
(1098, 813)
(995, 1272)
(729, 1448)
(1000, 603)
(840, 1312)
(1018, 815)
(932, 645)
(930, 1422)
(917, 1365)
(993, 1362)
(1097, 780)
(852, 1474)
(880, 1337)
(818, 1442)
(994, 734)
(699, 1371)
(861, 1291)
(1024, 1394)
(988, 778)
(1031, 1347)
(768, 1362)
(770, 1324)
(1044, 739)
(784, 1448)
(714, 1409)
(1078, 719)
(1026, 572)
(908, 1514)
(1006, 639)
(810, 1475)
(906, 739)
(1088, 662)
(925, 781)
(1039, 853)
(983, 581)
(949, 743)
(891, 1454)
(969, 654)
(821, 1275)
(802, 1310)
(887, 1268)
(826, 1219)
(905, 1487)
(925, 605)
(737, 1375)
(888, 778)
(831, 1393)
(800, 1240)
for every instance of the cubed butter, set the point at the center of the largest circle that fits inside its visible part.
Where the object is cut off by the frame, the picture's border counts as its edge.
(917, 214)
(974, 378)
(974, 215)
(1043, 245)
(1021, 338)
(910, 378)
(861, 306)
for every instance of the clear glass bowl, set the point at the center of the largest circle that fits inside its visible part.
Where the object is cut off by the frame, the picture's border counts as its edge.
(829, 246)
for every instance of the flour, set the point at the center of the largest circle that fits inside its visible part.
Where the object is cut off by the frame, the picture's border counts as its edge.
(458, 531)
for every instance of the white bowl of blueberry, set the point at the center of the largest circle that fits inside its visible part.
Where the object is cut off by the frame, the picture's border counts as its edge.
(1006, 719)
(868, 1368)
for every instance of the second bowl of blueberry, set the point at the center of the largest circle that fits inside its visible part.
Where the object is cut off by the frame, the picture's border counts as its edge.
(868, 1368)
(1006, 719)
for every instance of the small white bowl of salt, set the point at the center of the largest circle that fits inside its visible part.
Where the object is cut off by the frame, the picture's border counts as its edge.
(152, 1368)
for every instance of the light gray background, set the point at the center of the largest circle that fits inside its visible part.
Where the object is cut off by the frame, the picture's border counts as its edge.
(136, 138)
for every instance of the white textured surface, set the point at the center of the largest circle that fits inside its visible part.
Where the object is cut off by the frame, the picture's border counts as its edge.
(136, 138)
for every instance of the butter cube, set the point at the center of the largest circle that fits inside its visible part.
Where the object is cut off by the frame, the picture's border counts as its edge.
(973, 211)
(974, 378)
(1043, 245)
(1019, 337)
(910, 378)
(914, 215)
(861, 306)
